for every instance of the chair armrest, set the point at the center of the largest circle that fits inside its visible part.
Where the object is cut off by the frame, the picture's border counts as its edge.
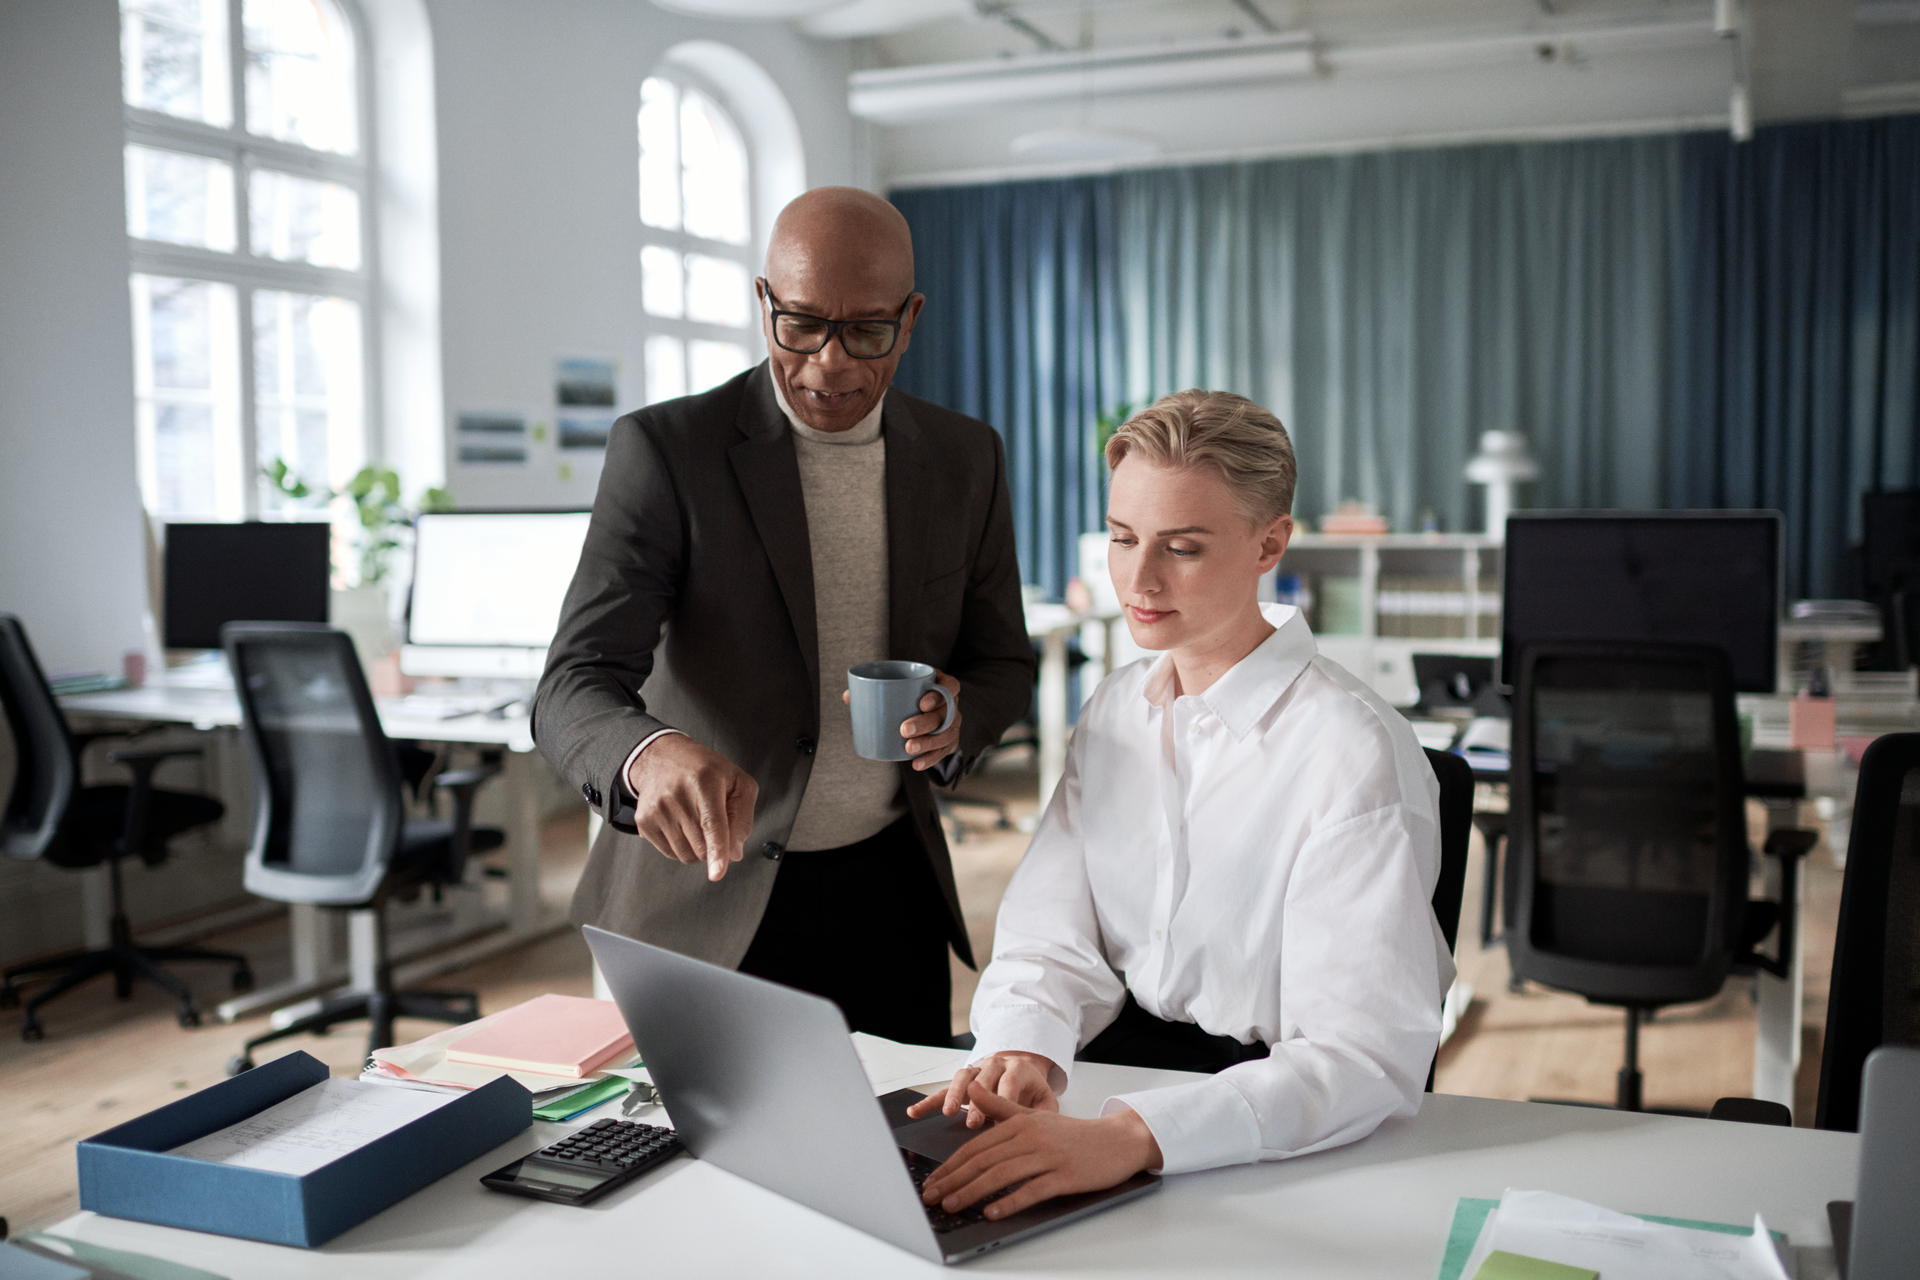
(1751, 1111)
(463, 783)
(140, 755)
(454, 779)
(1789, 844)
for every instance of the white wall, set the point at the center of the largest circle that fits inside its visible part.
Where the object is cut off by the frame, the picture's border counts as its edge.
(72, 551)
(540, 236)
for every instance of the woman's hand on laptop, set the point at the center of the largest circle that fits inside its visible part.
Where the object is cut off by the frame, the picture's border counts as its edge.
(1015, 1075)
(1046, 1153)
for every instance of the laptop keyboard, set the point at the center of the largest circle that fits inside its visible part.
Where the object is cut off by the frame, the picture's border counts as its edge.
(920, 1168)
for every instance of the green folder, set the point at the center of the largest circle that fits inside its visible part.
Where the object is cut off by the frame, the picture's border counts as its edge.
(569, 1105)
(1470, 1214)
(1501, 1265)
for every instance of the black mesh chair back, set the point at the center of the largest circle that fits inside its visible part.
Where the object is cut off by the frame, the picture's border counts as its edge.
(1628, 822)
(1875, 994)
(329, 813)
(45, 766)
(1456, 830)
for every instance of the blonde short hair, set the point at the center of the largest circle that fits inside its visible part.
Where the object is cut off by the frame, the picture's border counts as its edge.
(1218, 429)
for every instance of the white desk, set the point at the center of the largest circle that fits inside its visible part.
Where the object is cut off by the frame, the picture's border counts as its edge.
(1377, 1208)
(315, 967)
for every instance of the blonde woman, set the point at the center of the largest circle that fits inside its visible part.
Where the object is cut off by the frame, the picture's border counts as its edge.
(1234, 874)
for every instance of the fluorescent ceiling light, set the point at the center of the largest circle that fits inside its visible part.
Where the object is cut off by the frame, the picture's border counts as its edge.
(748, 8)
(1085, 146)
(897, 94)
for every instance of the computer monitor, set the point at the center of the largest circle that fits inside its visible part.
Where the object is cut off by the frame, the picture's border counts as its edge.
(253, 571)
(487, 590)
(1890, 539)
(1700, 577)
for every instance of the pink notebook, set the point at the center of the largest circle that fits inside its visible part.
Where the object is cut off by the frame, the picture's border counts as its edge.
(552, 1035)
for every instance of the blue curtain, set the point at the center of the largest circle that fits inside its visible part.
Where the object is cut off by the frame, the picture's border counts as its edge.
(1673, 321)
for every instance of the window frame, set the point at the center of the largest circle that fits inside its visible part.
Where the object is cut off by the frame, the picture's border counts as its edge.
(249, 273)
(683, 242)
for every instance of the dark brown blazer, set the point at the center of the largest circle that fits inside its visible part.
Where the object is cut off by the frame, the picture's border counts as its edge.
(693, 608)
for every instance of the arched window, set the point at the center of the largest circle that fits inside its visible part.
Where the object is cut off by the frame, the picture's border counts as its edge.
(696, 211)
(247, 207)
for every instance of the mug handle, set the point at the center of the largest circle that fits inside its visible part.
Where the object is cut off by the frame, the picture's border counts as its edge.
(953, 707)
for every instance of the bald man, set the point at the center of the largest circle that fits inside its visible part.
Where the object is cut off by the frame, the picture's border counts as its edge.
(748, 545)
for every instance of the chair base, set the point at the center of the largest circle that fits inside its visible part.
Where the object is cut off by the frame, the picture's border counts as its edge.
(126, 961)
(378, 1007)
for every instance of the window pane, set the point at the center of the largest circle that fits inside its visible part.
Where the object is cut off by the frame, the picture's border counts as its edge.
(711, 363)
(187, 387)
(173, 58)
(307, 385)
(301, 220)
(300, 74)
(717, 291)
(715, 171)
(659, 156)
(179, 198)
(661, 292)
(666, 369)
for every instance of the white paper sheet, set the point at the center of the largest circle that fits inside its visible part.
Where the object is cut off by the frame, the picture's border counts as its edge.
(1539, 1224)
(314, 1127)
(891, 1065)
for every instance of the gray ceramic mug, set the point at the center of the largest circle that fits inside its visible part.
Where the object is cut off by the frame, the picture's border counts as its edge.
(881, 696)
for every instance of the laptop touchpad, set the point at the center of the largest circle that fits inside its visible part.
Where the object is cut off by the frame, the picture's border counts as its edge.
(936, 1136)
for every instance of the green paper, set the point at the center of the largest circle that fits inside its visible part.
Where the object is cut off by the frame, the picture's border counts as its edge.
(569, 1105)
(1501, 1265)
(1470, 1214)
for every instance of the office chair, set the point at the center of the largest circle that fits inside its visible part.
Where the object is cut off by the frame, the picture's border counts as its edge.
(330, 825)
(1627, 833)
(1874, 998)
(49, 815)
(1456, 829)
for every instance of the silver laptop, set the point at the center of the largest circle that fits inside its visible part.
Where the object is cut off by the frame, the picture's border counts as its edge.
(763, 1081)
(1877, 1236)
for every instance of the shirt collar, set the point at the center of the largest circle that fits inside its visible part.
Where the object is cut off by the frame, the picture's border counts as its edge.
(1250, 688)
(865, 431)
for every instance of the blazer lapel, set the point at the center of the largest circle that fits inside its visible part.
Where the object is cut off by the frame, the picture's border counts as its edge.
(769, 476)
(910, 491)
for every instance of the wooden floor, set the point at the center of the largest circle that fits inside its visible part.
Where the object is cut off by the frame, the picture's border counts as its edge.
(104, 1062)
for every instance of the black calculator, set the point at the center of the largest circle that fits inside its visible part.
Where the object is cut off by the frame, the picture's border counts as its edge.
(587, 1163)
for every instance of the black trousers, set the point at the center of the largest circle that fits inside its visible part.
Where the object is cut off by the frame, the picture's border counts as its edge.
(1138, 1039)
(865, 926)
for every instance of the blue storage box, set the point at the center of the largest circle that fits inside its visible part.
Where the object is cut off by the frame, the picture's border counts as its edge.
(127, 1173)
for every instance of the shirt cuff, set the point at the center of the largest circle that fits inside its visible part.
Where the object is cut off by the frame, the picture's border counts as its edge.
(1027, 1029)
(1202, 1125)
(626, 769)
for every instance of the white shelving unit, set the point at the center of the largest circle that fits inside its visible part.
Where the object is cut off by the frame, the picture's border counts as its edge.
(1456, 570)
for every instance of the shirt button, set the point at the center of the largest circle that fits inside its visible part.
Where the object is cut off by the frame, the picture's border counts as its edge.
(1158, 936)
(804, 745)
(591, 792)
(771, 851)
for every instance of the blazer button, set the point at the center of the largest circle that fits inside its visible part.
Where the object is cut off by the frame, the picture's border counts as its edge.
(805, 745)
(591, 792)
(771, 851)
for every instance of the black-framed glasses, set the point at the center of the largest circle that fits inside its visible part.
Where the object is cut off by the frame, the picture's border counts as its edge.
(803, 334)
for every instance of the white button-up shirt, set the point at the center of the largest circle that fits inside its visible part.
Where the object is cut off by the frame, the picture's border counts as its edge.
(1259, 860)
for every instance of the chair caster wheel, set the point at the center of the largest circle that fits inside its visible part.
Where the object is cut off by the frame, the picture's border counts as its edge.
(189, 1017)
(9, 998)
(243, 979)
(236, 1065)
(32, 1030)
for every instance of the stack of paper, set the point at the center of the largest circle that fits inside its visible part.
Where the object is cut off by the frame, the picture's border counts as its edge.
(425, 1063)
(1536, 1235)
(891, 1065)
(313, 1128)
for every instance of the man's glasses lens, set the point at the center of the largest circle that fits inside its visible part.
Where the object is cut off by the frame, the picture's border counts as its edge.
(805, 335)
